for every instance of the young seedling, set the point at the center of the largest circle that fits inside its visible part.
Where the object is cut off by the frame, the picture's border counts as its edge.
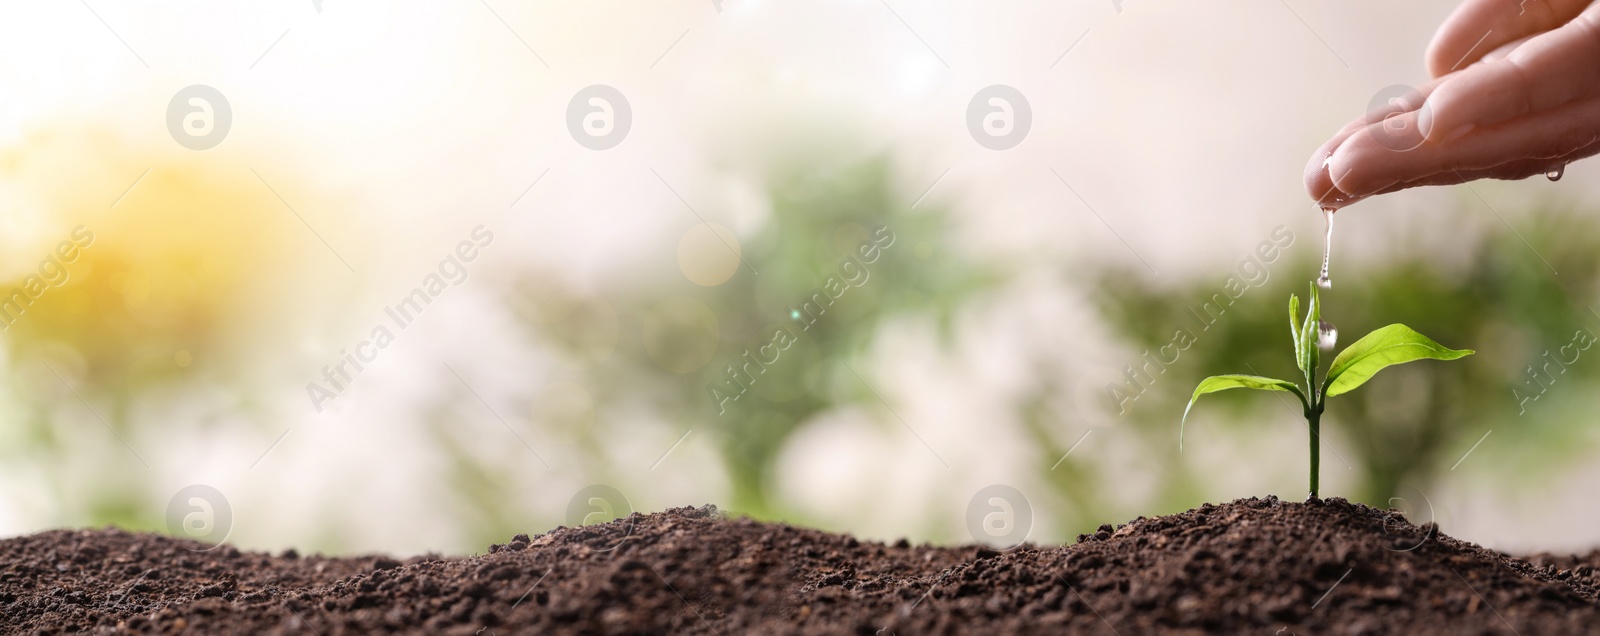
(1391, 345)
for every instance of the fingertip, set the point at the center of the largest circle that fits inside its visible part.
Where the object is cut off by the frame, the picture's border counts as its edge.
(1318, 184)
(1315, 177)
(1339, 171)
(1436, 58)
(1453, 42)
(1342, 169)
(1351, 168)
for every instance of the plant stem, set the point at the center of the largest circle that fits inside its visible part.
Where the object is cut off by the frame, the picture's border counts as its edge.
(1314, 423)
(1314, 418)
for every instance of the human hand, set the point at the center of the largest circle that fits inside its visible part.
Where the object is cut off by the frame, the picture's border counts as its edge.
(1525, 101)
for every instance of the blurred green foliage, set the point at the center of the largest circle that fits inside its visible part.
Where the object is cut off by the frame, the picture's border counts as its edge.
(647, 349)
(1505, 298)
(820, 218)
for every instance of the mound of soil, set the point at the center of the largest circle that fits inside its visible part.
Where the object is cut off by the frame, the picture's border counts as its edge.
(1262, 566)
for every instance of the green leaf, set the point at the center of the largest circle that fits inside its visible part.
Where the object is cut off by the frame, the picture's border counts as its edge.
(1308, 356)
(1391, 345)
(1224, 382)
(1294, 323)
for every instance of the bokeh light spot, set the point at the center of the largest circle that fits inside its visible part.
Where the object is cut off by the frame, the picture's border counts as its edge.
(708, 254)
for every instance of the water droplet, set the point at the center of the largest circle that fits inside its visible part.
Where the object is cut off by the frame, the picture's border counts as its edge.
(1555, 173)
(1324, 281)
(1327, 335)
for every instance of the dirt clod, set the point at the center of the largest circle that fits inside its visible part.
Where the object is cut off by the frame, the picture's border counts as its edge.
(1251, 566)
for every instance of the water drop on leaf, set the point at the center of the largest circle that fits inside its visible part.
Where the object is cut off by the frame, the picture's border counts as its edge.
(1327, 335)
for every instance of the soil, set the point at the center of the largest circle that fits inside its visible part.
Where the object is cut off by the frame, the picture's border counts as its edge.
(1262, 566)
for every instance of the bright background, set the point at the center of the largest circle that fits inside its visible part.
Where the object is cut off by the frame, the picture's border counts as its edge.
(768, 139)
